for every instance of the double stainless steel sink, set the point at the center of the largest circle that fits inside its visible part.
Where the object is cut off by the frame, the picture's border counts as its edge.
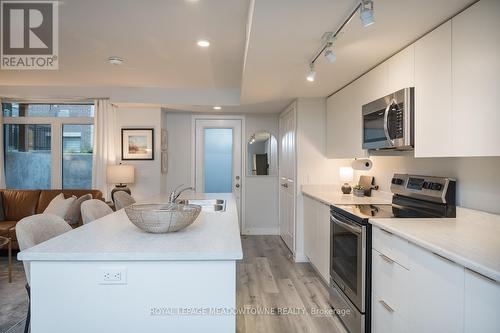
(207, 205)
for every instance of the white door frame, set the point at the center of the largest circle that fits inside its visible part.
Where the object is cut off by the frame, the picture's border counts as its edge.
(196, 117)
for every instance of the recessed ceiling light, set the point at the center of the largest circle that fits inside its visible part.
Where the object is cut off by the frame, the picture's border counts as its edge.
(203, 43)
(115, 60)
(217, 107)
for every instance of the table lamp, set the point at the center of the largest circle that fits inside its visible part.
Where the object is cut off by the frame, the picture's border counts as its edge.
(346, 175)
(120, 175)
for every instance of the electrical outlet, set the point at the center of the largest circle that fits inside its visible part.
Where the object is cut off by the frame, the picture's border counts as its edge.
(113, 275)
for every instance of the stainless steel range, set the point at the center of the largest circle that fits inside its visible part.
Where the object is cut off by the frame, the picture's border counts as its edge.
(350, 249)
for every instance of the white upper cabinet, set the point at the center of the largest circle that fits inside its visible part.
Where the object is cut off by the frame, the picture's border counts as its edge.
(373, 85)
(343, 121)
(476, 80)
(433, 112)
(455, 70)
(401, 69)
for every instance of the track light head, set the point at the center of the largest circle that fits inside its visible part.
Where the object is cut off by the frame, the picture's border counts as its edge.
(366, 13)
(330, 56)
(312, 73)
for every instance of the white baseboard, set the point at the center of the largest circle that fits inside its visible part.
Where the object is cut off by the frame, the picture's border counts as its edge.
(301, 257)
(261, 231)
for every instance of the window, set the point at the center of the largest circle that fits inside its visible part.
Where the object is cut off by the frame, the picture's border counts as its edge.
(27, 156)
(16, 110)
(48, 145)
(218, 160)
(77, 156)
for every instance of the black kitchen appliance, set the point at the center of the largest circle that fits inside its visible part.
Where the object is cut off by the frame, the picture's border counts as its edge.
(351, 237)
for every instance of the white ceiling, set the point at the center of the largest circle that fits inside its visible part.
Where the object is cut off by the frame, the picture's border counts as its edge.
(164, 66)
(286, 33)
(157, 39)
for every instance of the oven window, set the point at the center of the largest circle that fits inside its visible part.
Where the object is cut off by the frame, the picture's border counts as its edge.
(373, 127)
(345, 255)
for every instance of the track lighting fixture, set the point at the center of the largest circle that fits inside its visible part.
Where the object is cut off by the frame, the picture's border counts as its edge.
(366, 13)
(330, 56)
(312, 73)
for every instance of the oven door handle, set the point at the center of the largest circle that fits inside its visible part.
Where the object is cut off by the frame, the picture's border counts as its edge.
(356, 229)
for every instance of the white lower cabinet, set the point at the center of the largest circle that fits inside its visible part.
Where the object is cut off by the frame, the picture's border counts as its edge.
(309, 227)
(482, 301)
(317, 235)
(415, 290)
(385, 320)
(436, 293)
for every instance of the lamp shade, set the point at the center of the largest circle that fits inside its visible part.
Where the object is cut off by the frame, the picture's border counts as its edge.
(120, 174)
(346, 174)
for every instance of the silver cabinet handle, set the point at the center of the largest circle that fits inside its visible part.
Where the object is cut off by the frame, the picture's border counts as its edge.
(352, 227)
(387, 232)
(237, 185)
(386, 306)
(386, 258)
(482, 276)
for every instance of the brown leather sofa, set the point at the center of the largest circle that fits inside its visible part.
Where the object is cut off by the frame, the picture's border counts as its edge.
(18, 204)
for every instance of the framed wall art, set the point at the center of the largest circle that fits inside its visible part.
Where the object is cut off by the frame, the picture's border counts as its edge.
(138, 144)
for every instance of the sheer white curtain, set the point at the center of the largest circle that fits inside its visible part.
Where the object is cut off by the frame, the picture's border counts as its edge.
(104, 143)
(2, 170)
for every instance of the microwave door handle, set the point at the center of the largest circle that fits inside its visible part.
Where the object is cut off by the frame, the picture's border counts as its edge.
(386, 126)
(355, 229)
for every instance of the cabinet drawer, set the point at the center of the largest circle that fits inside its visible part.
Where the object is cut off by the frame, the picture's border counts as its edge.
(384, 320)
(390, 282)
(390, 245)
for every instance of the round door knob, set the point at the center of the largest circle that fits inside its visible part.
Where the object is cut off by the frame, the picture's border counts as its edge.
(237, 185)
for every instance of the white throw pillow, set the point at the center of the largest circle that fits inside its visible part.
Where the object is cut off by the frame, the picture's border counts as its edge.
(59, 206)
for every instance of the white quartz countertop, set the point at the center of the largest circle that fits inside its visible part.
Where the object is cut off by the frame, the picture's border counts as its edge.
(213, 236)
(332, 195)
(472, 239)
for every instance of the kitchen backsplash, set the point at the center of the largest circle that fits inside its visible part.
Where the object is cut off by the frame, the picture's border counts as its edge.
(478, 181)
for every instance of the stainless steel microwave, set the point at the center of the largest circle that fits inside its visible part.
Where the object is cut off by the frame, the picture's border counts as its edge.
(388, 121)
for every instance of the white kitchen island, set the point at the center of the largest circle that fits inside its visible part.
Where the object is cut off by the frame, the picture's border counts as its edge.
(110, 276)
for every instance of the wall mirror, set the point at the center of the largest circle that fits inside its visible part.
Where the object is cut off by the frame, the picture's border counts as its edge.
(262, 154)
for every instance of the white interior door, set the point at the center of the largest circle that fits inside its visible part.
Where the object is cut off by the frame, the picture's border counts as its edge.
(218, 157)
(287, 178)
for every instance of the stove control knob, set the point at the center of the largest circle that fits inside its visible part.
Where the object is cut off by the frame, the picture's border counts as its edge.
(397, 181)
(436, 186)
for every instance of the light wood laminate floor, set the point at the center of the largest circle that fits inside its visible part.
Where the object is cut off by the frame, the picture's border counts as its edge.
(276, 294)
(267, 280)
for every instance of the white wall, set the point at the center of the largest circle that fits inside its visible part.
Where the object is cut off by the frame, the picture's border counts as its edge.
(148, 178)
(478, 178)
(179, 150)
(261, 192)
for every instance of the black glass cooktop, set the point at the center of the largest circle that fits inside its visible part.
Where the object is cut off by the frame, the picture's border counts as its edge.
(365, 212)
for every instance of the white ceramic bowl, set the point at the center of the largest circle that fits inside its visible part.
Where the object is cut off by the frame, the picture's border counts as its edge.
(162, 218)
